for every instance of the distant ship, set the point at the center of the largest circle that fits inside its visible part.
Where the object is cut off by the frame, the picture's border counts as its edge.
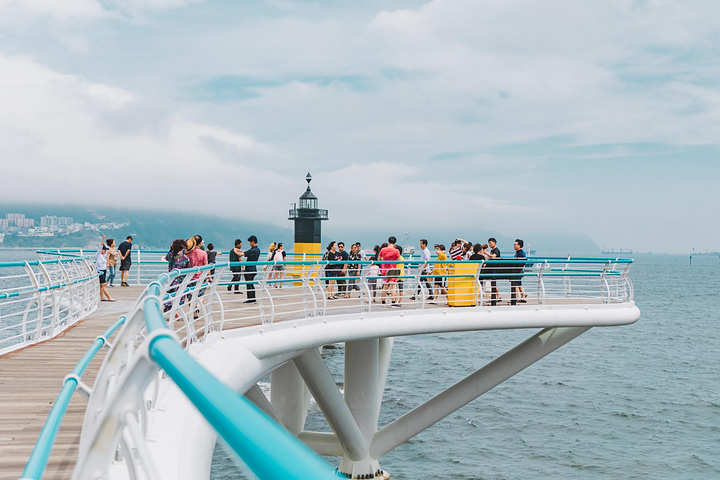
(619, 252)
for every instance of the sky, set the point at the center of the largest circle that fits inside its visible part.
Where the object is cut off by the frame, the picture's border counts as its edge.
(597, 118)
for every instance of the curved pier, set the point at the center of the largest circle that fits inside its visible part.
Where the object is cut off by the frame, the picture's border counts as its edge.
(187, 329)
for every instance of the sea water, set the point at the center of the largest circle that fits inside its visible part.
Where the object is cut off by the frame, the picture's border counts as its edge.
(634, 402)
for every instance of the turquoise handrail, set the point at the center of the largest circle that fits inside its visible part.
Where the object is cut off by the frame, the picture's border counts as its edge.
(264, 446)
(41, 452)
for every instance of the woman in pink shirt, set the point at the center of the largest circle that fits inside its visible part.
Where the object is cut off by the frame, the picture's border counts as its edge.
(195, 254)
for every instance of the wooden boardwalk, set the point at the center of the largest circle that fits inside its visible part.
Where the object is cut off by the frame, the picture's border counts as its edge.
(30, 380)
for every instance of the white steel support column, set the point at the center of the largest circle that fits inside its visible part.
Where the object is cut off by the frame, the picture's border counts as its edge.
(362, 379)
(386, 345)
(471, 387)
(289, 397)
(256, 396)
(328, 397)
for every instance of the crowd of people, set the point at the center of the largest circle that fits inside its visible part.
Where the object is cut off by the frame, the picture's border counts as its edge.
(386, 274)
(106, 262)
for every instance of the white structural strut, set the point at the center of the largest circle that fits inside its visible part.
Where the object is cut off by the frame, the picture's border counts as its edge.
(471, 387)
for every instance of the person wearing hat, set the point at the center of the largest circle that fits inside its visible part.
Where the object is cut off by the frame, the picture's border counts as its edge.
(196, 255)
(101, 265)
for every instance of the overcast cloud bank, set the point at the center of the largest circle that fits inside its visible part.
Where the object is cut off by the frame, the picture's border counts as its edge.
(517, 115)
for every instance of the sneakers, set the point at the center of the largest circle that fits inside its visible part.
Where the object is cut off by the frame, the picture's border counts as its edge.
(250, 301)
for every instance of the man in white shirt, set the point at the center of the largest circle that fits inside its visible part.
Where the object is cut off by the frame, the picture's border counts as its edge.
(426, 269)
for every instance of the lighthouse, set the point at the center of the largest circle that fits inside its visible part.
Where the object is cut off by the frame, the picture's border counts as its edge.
(307, 217)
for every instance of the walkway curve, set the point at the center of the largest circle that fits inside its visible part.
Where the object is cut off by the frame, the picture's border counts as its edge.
(567, 296)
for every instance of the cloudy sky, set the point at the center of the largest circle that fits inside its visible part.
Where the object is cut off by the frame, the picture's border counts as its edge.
(599, 118)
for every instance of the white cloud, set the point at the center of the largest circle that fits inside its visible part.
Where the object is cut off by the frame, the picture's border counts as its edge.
(450, 99)
(61, 136)
(66, 10)
(10, 10)
(58, 143)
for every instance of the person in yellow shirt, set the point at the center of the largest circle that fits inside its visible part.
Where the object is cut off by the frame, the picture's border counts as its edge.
(440, 272)
(401, 280)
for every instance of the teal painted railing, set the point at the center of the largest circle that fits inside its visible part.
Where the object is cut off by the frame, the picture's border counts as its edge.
(43, 447)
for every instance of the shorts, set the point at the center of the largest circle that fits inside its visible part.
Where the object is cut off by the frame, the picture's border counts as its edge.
(125, 265)
(393, 272)
(102, 276)
(439, 281)
(279, 268)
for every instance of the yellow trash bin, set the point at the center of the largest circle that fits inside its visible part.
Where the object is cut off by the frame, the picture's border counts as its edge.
(462, 290)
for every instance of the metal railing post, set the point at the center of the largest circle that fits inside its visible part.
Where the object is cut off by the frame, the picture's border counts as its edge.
(139, 262)
(604, 283)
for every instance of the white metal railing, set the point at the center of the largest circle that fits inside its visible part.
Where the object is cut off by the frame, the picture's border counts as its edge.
(146, 264)
(41, 299)
(219, 298)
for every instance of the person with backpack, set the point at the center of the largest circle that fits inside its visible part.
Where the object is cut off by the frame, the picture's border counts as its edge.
(277, 270)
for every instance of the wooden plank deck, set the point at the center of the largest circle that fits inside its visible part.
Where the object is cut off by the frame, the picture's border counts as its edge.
(30, 380)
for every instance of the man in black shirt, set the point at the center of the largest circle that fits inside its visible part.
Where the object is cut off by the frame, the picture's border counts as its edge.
(343, 256)
(125, 261)
(494, 254)
(236, 255)
(251, 255)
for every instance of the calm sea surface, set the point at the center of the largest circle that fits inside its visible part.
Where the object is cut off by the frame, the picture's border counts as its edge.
(641, 401)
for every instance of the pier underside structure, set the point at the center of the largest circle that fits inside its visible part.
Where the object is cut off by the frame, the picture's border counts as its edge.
(172, 380)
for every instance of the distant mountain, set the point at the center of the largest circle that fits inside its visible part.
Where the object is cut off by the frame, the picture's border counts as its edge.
(149, 229)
